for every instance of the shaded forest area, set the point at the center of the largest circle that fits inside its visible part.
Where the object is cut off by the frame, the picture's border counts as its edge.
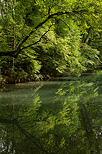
(41, 39)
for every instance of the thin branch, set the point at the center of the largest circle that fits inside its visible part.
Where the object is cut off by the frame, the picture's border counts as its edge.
(65, 23)
(38, 40)
(23, 32)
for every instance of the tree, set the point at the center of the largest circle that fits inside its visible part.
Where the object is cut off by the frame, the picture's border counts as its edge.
(28, 26)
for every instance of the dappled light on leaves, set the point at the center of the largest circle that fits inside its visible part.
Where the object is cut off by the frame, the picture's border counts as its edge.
(41, 39)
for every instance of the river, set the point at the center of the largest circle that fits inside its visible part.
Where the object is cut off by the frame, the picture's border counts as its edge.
(63, 116)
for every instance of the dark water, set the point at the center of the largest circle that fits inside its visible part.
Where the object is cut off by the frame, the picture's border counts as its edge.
(63, 116)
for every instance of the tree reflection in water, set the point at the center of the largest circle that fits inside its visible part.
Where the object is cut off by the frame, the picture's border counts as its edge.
(71, 124)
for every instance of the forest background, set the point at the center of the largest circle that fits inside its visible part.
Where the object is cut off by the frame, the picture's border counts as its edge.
(41, 39)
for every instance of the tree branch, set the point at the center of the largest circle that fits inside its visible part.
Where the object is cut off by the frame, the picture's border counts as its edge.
(16, 52)
(40, 24)
(38, 40)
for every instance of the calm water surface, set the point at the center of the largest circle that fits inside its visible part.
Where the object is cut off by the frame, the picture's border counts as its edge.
(63, 116)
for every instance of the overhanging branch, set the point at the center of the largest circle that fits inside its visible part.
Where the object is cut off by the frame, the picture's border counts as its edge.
(16, 52)
(43, 22)
(38, 40)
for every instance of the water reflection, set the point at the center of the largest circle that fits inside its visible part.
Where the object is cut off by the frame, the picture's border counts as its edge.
(52, 117)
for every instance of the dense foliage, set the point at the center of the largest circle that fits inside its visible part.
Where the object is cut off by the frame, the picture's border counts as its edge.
(40, 39)
(70, 123)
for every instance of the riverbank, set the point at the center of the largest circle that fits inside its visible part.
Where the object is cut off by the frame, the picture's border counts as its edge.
(4, 80)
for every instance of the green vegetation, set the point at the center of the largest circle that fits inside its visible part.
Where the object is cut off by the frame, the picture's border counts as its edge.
(42, 39)
(70, 123)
